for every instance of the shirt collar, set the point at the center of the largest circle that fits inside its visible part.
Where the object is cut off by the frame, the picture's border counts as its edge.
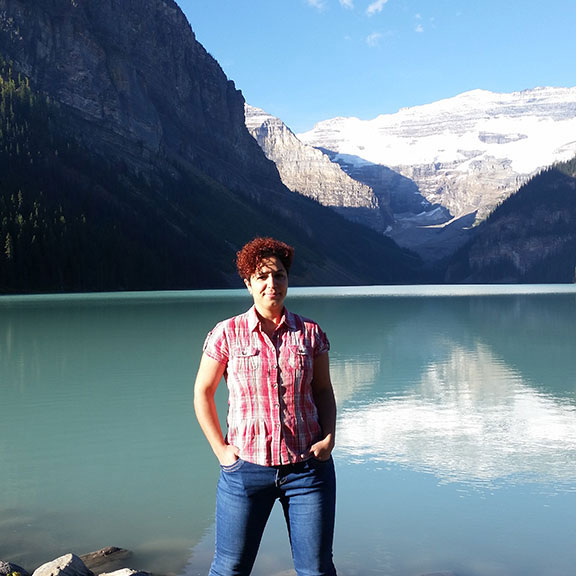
(254, 320)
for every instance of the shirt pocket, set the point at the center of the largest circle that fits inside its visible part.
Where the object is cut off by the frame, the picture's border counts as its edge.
(301, 362)
(244, 360)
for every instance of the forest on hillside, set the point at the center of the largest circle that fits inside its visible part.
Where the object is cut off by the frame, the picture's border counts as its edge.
(66, 211)
(528, 238)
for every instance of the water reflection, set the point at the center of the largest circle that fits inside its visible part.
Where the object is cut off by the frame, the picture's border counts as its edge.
(469, 419)
(478, 390)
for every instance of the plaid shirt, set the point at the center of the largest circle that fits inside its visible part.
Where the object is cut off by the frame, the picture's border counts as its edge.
(272, 417)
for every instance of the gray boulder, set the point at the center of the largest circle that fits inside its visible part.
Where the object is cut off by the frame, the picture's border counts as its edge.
(67, 565)
(8, 569)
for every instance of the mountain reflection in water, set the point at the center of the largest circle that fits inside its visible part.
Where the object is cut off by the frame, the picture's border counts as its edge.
(469, 419)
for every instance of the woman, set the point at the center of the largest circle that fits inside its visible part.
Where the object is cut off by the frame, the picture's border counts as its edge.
(281, 421)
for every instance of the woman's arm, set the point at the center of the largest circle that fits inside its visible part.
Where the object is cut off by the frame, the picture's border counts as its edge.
(208, 377)
(326, 406)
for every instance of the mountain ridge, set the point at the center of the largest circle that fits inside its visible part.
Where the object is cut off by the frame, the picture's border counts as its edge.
(519, 132)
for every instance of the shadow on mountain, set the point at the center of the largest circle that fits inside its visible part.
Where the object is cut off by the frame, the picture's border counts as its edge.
(417, 224)
(398, 193)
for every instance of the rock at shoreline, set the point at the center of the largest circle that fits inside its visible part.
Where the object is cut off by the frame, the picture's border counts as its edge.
(107, 559)
(9, 569)
(105, 562)
(124, 572)
(67, 565)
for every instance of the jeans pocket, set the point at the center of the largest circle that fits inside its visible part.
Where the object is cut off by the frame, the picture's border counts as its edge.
(232, 467)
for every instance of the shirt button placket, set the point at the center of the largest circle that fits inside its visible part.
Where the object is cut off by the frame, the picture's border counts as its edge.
(277, 415)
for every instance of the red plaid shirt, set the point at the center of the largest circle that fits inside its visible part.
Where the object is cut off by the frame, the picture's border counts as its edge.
(272, 417)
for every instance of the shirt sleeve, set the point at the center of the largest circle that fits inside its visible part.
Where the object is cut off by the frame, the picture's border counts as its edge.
(216, 344)
(321, 342)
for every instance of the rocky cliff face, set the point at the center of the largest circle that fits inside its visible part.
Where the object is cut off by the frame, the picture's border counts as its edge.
(310, 172)
(134, 72)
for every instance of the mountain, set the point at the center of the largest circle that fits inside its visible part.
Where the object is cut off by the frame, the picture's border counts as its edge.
(370, 194)
(136, 82)
(465, 154)
(126, 163)
(529, 238)
(310, 172)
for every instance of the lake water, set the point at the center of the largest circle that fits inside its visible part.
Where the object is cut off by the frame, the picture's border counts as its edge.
(456, 444)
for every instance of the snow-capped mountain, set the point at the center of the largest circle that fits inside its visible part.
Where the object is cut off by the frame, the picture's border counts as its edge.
(466, 153)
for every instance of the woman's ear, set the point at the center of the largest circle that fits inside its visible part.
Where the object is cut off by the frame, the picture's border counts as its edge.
(247, 283)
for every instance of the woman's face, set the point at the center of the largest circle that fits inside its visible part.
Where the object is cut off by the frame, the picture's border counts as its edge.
(269, 285)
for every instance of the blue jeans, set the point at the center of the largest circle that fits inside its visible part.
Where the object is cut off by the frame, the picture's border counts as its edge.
(244, 500)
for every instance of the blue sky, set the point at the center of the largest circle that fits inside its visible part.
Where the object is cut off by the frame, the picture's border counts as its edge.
(309, 60)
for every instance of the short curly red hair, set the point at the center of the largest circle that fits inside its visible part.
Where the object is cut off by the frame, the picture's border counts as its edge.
(249, 258)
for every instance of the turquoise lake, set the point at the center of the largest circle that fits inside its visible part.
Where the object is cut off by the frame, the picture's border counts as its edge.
(456, 441)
